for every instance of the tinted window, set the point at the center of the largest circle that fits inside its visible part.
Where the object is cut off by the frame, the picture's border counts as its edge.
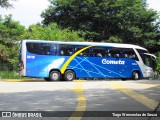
(129, 53)
(91, 52)
(42, 48)
(66, 50)
(83, 53)
(114, 52)
(33, 48)
(141, 53)
(99, 52)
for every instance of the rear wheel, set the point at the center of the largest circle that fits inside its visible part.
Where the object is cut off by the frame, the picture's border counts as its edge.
(54, 76)
(135, 75)
(69, 75)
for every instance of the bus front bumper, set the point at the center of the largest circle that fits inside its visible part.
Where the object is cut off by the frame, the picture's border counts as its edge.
(148, 73)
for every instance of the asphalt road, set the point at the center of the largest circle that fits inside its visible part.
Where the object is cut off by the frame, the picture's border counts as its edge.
(99, 98)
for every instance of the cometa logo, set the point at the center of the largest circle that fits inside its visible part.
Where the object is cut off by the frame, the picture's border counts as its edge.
(104, 61)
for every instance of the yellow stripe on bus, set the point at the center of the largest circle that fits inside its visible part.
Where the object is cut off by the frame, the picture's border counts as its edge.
(71, 58)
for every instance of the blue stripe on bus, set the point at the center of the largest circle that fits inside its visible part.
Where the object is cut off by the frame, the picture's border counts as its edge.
(85, 67)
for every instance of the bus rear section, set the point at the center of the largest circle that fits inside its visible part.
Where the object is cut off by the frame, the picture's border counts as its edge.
(22, 59)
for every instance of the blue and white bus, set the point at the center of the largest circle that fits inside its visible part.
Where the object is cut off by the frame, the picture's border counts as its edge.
(55, 60)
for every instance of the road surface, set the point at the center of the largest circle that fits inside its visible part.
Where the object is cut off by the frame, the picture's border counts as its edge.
(99, 99)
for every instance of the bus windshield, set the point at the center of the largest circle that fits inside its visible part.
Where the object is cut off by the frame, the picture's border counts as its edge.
(149, 60)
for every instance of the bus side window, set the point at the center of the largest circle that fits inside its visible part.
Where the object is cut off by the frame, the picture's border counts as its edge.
(53, 50)
(99, 51)
(83, 53)
(64, 50)
(109, 55)
(33, 48)
(69, 52)
(117, 55)
(45, 51)
(91, 53)
(99, 55)
(45, 48)
(77, 49)
(129, 53)
(125, 55)
(115, 52)
(141, 53)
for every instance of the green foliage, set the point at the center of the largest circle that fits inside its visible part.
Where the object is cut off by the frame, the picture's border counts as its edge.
(158, 61)
(9, 75)
(114, 39)
(10, 31)
(51, 32)
(5, 4)
(127, 21)
(4, 53)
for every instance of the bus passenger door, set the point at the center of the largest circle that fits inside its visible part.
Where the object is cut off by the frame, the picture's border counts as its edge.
(114, 63)
(112, 67)
(125, 68)
(128, 62)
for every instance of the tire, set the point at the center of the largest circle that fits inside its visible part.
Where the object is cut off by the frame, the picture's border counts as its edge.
(54, 76)
(47, 79)
(135, 75)
(124, 79)
(69, 75)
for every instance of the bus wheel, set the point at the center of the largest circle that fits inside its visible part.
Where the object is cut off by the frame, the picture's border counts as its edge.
(54, 76)
(135, 75)
(69, 75)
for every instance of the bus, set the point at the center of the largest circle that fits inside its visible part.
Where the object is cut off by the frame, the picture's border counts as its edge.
(57, 60)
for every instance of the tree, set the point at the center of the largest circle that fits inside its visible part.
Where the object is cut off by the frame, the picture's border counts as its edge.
(127, 21)
(5, 3)
(158, 62)
(10, 31)
(50, 32)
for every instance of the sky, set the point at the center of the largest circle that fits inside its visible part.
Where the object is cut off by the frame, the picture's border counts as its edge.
(28, 12)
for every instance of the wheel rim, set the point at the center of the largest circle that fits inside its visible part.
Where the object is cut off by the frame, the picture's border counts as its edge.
(55, 76)
(70, 76)
(136, 75)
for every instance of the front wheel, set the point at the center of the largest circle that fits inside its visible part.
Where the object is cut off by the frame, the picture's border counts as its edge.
(69, 75)
(135, 75)
(54, 76)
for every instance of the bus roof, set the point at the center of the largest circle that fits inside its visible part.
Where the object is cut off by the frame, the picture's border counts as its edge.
(120, 45)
